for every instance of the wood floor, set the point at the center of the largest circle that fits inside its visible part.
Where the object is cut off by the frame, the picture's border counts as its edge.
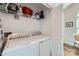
(70, 50)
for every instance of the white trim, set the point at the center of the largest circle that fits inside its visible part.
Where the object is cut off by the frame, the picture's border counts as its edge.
(63, 31)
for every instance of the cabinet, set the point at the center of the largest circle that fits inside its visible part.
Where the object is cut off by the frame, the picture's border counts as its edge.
(45, 48)
(42, 48)
(31, 50)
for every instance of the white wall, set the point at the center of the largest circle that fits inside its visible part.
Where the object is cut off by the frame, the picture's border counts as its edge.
(23, 24)
(70, 16)
(46, 23)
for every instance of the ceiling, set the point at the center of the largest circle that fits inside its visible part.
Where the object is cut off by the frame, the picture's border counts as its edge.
(54, 5)
(66, 6)
(45, 6)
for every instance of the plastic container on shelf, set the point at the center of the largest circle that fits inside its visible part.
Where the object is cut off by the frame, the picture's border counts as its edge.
(27, 11)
